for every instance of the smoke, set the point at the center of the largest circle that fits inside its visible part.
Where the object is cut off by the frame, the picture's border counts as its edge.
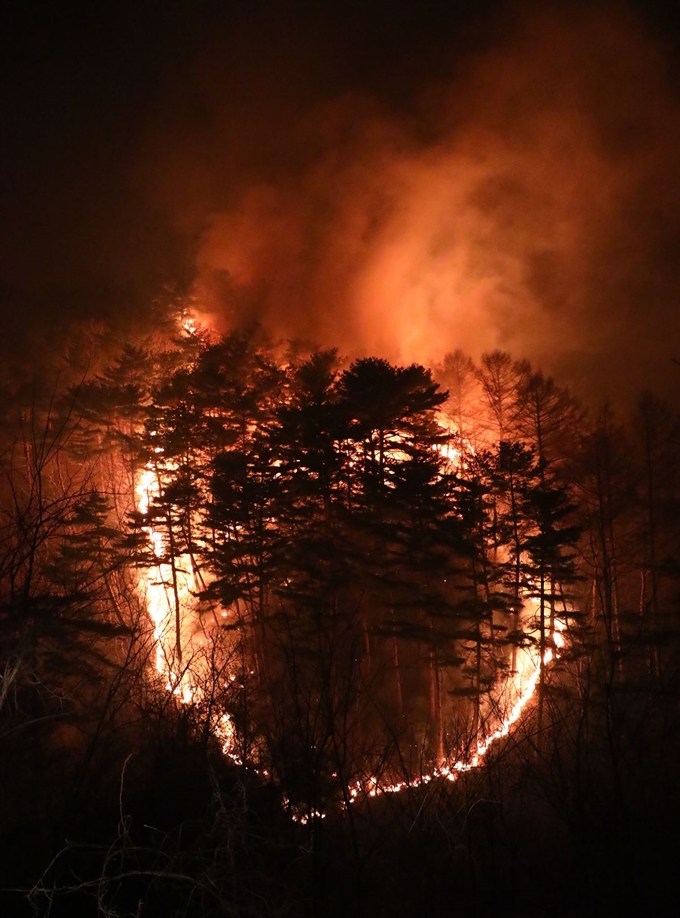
(529, 203)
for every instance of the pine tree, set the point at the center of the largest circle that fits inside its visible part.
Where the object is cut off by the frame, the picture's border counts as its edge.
(514, 473)
(481, 600)
(550, 567)
(501, 379)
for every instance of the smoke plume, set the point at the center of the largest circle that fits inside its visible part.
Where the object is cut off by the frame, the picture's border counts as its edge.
(529, 203)
(399, 179)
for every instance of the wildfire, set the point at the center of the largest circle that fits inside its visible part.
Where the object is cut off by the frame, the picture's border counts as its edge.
(185, 679)
(170, 590)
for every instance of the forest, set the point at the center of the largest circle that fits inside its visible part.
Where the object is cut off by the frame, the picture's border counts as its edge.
(285, 633)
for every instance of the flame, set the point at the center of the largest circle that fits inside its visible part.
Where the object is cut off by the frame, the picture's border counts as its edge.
(190, 327)
(178, 658)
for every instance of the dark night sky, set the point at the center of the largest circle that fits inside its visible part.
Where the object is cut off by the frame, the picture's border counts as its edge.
(402, 178)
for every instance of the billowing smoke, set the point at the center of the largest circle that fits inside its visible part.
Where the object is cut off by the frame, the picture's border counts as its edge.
(529, 204)
(401, 179)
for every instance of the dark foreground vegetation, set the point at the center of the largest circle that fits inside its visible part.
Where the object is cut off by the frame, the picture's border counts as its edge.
(372, 548)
